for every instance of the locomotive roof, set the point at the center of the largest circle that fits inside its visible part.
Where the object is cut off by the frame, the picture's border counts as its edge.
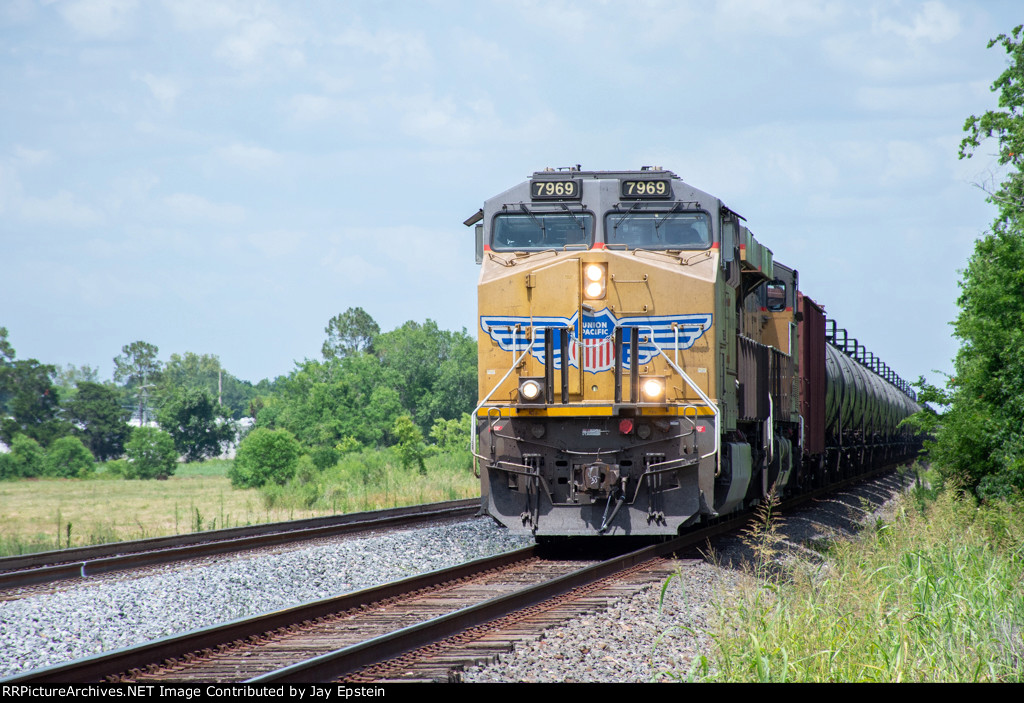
(576, 172)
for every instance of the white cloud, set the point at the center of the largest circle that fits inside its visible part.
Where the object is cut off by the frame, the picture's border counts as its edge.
(313, 108)
(274, 245)
(195, 207)
(353, 270)
(248, 156)
(10, 188)
(934, 23)
(98, 18)
(250, 33)
(397, 51)
(907, 163)
(254, 39)
(61, 209)
(165, 90)
(449, 122)
(894, 46)
(779, 18)
(925, 100)
(32, 157)
(193, 15)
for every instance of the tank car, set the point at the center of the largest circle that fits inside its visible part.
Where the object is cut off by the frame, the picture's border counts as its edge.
(645, 363)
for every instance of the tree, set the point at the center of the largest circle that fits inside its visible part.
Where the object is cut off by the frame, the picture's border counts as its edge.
(978, 441)
(150, 453)
(433, 370)
(68, 378)
(205, 371)
(32, 403)
(6, 350)
(351, 332)
(1007, 127)
(138, 370)
(29, 403)
(322, 404)
(265, 456)
(97, 417)
(198, 426)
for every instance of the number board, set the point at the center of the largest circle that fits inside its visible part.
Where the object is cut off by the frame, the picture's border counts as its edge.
(556, 190)
(647, 188)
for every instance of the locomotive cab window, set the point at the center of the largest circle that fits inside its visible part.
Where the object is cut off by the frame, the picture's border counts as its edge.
(658, 230)
(537, 231)
(775, 294)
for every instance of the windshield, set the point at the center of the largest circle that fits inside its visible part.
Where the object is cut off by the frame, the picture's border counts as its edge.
(535, 231)
(658, 230)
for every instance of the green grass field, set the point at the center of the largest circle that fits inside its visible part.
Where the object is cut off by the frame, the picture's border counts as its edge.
(44, 514)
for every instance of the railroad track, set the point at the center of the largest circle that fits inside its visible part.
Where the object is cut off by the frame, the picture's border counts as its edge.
(371, 634)
(424, 628)
(46, 567)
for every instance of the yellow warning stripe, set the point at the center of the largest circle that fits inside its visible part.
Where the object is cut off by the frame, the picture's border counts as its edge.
(596, 411)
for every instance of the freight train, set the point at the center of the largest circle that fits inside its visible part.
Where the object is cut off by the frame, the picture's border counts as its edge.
(645, 364)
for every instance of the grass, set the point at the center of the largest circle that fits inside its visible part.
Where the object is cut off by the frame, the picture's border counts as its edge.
(46, 514)
(934, 595)
(373, 480)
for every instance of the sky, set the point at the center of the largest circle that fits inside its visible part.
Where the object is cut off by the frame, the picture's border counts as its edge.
(223, 177)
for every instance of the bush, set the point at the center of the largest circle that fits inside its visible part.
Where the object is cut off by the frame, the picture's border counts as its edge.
(265, 456)
(451, 436)
(25, 459)
(151, 454)
(411, 449)
(67, 457)
(324, 457)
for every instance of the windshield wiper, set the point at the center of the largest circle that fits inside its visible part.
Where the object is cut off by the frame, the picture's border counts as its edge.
(539, 223)
(658, 223)
(626, 214)
(575, 219)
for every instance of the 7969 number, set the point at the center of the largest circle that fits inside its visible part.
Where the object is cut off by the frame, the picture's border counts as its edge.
(646, 189)
(542, 190)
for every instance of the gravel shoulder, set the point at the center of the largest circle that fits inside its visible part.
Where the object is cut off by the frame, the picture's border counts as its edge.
(648, 638)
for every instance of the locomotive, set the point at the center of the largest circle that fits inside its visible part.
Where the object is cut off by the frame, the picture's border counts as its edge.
(645, 364)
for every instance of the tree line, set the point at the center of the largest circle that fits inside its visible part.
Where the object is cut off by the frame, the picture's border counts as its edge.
(977, 427)
(369, 389)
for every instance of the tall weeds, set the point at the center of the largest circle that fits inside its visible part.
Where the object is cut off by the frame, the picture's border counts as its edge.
(932, 596)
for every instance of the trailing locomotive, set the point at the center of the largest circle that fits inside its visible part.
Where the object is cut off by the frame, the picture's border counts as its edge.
(644, 363)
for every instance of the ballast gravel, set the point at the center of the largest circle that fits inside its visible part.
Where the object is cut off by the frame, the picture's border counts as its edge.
(654, 638)
(106, 613)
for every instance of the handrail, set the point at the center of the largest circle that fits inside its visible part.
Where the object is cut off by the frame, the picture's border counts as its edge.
(473, 420)
(690, 382)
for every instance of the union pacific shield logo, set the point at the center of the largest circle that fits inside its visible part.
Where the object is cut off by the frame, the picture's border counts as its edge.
(593, 337)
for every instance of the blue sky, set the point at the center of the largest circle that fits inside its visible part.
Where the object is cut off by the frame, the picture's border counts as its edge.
(222, 177)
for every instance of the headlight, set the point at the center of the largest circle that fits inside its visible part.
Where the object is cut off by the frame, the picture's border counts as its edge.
(530, 389)
(653, 388)
(595, 281)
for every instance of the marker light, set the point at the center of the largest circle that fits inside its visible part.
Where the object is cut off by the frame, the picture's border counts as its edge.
(596, 281)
